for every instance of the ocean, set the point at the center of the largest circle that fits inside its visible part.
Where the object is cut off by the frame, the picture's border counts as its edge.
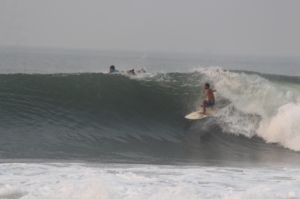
(70, 130)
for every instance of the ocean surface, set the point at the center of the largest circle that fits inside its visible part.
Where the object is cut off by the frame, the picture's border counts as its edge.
(70, 130)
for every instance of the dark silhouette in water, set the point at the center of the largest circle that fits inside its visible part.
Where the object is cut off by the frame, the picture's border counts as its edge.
(112, 69)
(131, 72)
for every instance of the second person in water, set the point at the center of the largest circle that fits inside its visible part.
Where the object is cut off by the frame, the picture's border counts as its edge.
(113, 70)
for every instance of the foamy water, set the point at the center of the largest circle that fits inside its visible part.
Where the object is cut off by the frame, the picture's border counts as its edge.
(77, 181)
(276, 104)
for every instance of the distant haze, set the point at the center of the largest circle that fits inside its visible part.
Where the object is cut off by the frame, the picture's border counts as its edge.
(256, 27)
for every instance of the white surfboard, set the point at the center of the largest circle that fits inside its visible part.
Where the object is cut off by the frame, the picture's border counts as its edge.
(198, 115)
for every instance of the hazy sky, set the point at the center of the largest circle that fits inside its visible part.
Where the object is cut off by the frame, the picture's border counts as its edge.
(268, 27)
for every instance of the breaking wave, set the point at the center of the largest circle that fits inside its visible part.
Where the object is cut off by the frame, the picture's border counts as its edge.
(102, 116)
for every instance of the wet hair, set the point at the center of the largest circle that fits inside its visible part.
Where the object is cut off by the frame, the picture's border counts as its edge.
(207, 85)
(112, 67)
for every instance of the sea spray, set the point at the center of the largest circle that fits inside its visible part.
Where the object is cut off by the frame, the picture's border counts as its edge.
(276, 104)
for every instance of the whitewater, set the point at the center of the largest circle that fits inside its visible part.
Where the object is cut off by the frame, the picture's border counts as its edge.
(70, 130)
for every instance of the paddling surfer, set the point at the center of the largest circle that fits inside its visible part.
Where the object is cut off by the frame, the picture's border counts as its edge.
(210, 98)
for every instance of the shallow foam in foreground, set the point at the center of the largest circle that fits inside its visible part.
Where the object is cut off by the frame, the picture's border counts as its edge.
(82, 181)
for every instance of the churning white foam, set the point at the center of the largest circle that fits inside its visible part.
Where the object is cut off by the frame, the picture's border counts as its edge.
(268, 109)
(114, 181)
(283, 127)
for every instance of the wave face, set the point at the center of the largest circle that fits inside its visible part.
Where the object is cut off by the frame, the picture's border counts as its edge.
(117, 118)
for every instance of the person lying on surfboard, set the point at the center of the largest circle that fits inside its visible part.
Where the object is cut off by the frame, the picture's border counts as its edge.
(210, 98)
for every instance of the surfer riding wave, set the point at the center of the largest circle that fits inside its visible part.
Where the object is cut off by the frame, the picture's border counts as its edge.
(210, 98)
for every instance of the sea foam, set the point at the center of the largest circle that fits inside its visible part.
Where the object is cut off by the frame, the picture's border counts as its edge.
(95, 181)
(258, 106)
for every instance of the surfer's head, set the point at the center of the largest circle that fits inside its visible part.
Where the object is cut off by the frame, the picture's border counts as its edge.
(112, 68)
(206, 86)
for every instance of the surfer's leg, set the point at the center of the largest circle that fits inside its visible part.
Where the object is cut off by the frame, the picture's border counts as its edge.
(204, 106)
